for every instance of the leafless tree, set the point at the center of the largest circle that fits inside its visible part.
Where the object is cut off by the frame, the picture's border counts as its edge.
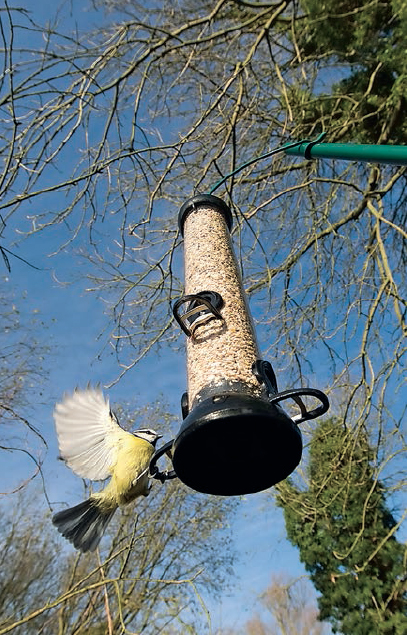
(287, 606)
(291, 606)
(107, 129)
(22, 377)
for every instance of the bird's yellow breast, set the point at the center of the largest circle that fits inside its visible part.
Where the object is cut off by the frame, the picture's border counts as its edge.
(130, 473)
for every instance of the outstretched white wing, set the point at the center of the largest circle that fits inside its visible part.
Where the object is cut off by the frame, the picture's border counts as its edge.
(88, 434)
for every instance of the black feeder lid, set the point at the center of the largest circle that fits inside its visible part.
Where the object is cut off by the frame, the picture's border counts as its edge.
(204, 199)
(235, 444)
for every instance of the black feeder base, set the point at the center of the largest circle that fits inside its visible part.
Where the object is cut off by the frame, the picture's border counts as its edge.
(234, 444)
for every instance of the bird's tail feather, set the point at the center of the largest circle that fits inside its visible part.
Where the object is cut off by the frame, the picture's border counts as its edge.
(84, 524)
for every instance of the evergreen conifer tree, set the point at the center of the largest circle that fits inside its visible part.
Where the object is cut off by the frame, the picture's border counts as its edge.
(345, 533)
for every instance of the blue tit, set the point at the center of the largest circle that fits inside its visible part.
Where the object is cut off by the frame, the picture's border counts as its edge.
(94, 446)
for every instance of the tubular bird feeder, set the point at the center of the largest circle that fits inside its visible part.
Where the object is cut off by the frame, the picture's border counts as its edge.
(235, 437)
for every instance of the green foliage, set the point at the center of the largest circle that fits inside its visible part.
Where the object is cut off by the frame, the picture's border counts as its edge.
(345, 533)
(352, 30)
(367, 43)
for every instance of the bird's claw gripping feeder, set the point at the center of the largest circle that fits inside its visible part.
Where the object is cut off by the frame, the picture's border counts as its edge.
(235, 437)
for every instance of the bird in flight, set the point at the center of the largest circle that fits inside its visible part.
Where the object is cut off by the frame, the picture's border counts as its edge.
(95, 446)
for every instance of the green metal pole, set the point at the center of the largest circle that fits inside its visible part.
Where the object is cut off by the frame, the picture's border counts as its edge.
(351, 152)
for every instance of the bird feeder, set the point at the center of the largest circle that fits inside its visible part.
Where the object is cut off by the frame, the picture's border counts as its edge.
(235, 437)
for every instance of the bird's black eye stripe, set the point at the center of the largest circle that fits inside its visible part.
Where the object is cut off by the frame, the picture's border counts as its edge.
(150, 433)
